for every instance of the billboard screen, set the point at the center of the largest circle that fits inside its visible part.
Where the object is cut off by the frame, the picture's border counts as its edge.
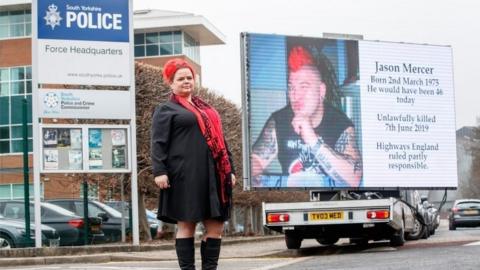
(332, 113)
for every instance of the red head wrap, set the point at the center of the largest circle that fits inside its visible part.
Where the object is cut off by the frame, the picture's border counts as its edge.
(171, 67)
(298, 58)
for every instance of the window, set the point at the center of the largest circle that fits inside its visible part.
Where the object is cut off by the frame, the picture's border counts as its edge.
(192, 48)
(158, 43)
(15, 87)
(15, 191)
(15, 23)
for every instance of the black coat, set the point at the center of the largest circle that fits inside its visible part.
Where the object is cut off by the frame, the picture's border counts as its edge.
(180, 151)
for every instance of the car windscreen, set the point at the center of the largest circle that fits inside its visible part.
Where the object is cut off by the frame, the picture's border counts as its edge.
(468, 205)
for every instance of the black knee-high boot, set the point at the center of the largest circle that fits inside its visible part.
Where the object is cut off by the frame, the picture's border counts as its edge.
(211, 254)
(186, 253)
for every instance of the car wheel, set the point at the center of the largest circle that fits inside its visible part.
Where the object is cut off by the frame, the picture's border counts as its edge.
(426, 232)
(418, 230)
(451, 226)
(6, 242)
(293, 241)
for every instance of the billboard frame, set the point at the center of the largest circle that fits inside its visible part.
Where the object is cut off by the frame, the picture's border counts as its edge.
(246, 120)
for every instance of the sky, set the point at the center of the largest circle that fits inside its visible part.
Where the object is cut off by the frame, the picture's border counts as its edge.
(440, 22)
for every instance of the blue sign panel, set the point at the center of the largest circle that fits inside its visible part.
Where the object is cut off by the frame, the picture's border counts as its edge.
(94, 20)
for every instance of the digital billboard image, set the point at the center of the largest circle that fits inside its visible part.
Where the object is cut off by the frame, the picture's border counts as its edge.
(308, 137)
(333, 113)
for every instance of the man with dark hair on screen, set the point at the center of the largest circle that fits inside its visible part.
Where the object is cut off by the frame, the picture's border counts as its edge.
(313, 140)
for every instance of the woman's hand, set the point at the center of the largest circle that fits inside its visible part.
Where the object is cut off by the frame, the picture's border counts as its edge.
(234, 180)
(162, 181)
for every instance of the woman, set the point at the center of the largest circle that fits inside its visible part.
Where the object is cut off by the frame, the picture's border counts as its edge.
(192, 167)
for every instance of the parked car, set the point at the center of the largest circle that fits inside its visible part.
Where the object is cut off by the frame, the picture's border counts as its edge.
(421, 218)
(464, 213)
(153, 222)
(117, 205)
(69, 226)
(430, 215)
(435, 217)
(111, 218)
(13, 234)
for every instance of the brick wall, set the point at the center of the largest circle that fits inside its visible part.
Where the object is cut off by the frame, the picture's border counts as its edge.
(15, 52)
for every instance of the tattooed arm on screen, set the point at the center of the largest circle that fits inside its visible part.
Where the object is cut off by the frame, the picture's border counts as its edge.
(265, 148)
(343, 163)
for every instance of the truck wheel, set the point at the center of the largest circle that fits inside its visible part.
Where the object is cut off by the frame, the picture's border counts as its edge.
(398, 238)
(293, 241)
(327, 241)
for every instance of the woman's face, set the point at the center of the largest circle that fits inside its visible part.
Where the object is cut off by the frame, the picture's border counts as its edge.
(183, 82)
(306, 91)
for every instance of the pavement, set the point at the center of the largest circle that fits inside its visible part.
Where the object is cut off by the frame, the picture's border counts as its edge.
(232, 247)
(158, 251)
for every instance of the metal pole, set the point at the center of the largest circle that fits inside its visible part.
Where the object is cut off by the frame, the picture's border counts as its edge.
(26, 186)
(36, 130)
(123, 205)
(133, 130)
(85, 209)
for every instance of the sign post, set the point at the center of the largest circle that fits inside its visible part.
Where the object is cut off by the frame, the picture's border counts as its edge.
(83, 43)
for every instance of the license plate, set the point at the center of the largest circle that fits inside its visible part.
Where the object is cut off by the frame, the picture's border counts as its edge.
(470, 212)
(325, 216)
(95, 228)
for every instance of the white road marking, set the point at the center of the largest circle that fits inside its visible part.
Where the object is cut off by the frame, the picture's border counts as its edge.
(473, 244)
(284, 263)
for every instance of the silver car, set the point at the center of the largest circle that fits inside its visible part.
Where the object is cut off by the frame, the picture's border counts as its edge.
(464, 213)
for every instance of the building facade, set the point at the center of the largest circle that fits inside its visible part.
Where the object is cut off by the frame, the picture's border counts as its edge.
(158, 36)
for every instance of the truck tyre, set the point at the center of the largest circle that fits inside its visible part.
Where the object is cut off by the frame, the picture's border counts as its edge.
(327, 241)
(398, 238)
(293, 241)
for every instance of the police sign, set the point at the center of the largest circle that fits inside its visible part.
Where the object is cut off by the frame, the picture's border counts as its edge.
(100, 20)
(84, 42)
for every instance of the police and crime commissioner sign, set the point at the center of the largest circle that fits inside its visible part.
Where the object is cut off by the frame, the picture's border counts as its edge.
(83, 42)
(84, 104)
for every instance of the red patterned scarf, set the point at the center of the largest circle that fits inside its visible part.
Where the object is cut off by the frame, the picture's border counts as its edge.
(211, 126)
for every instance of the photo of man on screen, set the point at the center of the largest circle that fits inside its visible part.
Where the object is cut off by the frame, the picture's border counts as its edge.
(311, 137)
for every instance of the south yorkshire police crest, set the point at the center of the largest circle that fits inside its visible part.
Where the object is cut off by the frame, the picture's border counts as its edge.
(53, 16)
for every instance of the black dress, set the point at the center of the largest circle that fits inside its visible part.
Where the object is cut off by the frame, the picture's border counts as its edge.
(180, 151)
